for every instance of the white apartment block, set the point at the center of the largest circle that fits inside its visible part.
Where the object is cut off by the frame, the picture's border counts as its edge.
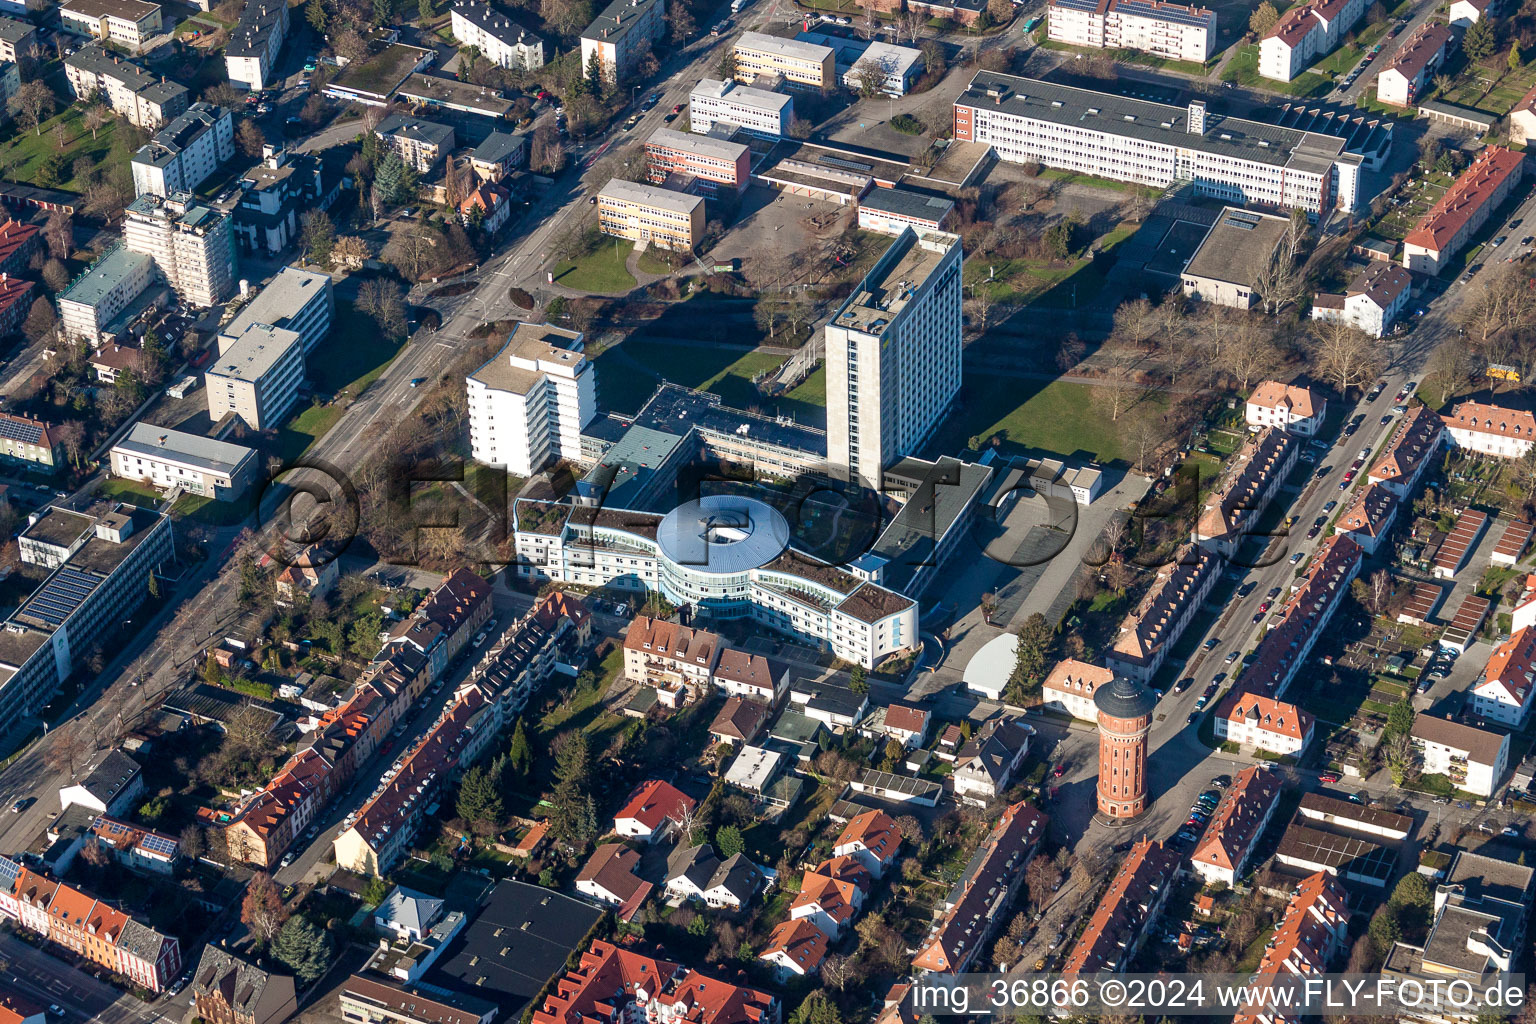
(1373, 301)
(498, 38)
(1286, 406)
(1170, 30)
(1304, 34)
(419, 143)
(1463, 13)
(893, 356)
(760, 579)
(250, 58)
(298, 300)
(128, 23)
(17, 38)
(800, 64)
(1253, 720)
(146, 100)
(1450, 224)
(1415, 63)
(1507, 687)
(95, 298)
(622, 34)
(185, 152)
(528, 404)
(257, 376)
(1473, 759)
(192, 245)
(761, 112)
(1070, 688)
(1027, 120)
(173, 459)
(1491, 429)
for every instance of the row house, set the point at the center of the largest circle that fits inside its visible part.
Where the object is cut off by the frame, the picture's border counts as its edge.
(675, 659)
(1246, 490)
(443, 624)
(1127, 911)
(1408, 454)
(1246, 807)
(610, 983)
(69, 917)
(977, 906)
(1304, 34)
(1313, 931)
(1466, 206)
(1151, 631)
(1311, 605)
(1370, 517)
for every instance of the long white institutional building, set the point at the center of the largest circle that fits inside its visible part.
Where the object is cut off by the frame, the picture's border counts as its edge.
(727, 556)
(1026, 120)
(1169, 30)
(893, 356)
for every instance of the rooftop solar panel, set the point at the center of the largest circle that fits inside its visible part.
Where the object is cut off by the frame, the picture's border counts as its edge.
(13, 428)
(61, 595)
(159, 844)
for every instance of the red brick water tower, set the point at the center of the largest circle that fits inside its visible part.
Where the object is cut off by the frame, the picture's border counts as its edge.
(1125, 718)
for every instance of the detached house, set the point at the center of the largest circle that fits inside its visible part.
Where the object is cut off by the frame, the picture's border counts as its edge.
(1070, 687)
(1373, 301)
(1253, 720)
(312, 574)
(872, 839)
(1286, 406)
(832, 894)
(987, 763)
(653, 810)
(796, 949)
(698, 874)
(609, 877)
(230, 990)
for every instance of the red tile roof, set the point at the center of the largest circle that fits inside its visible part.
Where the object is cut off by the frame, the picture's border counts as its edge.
(1274, 395)
(671, 640)
(1122, 912)
(605, 982)
(799, 941)
(1512, 666)
(1277, 716)
(1483, 418)
(1475, 187)
(1425, 46)
(654, 802)
(14, 236)
(876, 832)
(1238, 819)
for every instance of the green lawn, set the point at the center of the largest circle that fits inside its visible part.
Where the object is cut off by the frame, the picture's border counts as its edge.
(354, 355)
(1183, 67)
(304, 430)
(602, 271)
(653, 263)
(130, 491)
(1035, 417)
(726, 372)
(1503, 88)
(1074, 178)
(24, 154)
(1243, 69)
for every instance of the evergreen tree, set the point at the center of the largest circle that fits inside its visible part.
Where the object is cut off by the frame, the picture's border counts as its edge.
(303, 949)
(1479, 42)
(858, 680)
(595, 74)
(424, 10)
(728, 841)
(315, 13)
(479, 803)
(364, 635)
(574, 818)
(390, 178)
(1516, 59)
(520, 754)
(816, 1008)
(383, 10)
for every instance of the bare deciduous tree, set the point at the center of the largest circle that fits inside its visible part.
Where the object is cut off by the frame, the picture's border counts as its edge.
(1346, 356)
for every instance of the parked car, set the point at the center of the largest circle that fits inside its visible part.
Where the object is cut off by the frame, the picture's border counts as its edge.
(1329, 778)
(1210, 645)
(1297, 557)
(1231, 657)
(23, 804)
(1183, 684)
